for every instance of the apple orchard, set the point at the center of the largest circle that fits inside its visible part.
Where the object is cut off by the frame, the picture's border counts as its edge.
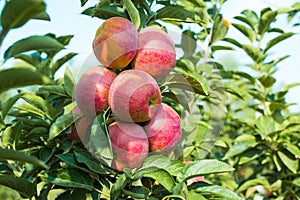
(158, 116)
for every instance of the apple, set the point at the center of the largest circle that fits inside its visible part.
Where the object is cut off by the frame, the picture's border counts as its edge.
(80, 129)
(115, 43)
(134, 96)
(129, 144)
(164, 131)
(91, 92)
(156, 52)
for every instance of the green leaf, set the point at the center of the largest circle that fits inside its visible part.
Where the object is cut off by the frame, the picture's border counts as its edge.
(18, 12)
(62, 61)
(297, 182)
(70, 178)
(106, 12)
(265, 125)
(83, 2)
(133, 13)
(117, 187)
(219, 30)
(293, 149)
(38, 102)
(217, 48)
(290, 162)
(69, 82)
(254, 53)
(91, 162)
(278, 39)
(175, 13)
(37, 43)
(12, 134)
(6, 106)
(252, 182)
(247, 21)
(25, 188)
(19, 77)
(242, 143)
(203, 167)
(188, 42)
(53, 89)
(266, 18)
(29, 59)
(160, 175)
(61, 124)
(27, 109)
(137, 192)
(7, 154)
(234, 42)
(249, 33)
(267, 80)
(217, 192)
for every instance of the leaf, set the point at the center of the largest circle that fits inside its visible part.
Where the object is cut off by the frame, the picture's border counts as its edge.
(266, 18)
(18, 12)
(203, 167)
(31, 59)
(83, 2)
(252, 182)
(242, 143)
(254, 53)
(7, 154)
(217, 192)
(293, 149)
(27, 109)
(117, 187)
(265, 125)
(91, 162)
(108, 11)
(234, 42)
(19, 77)
(178, 98)
(175, 13)
(278, 39)
(70, 177)
(69, 82)
(53, 89)
(247, 21)
(38, 102)
(37, 43)
(62, 61)
(249, 33)
(158, 161)
(12, 134)
(133, 13)
(137, 192)
(188, 42)
(61, 124)
(217, 48)
(6, 106)
(25, 188)
(160, 175)
(219, 30)
(267, 80)
(288, 161)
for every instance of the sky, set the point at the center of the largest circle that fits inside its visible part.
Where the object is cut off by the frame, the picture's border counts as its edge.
(66, 19)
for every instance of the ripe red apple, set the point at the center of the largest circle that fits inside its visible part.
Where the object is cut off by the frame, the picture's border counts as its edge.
(115, 43)
(164, 130)
(156, 52)
(129, 144)
(134, 96)
(92, 90)
(81, 127)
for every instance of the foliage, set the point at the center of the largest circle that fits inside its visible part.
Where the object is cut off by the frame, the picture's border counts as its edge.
(259, 146)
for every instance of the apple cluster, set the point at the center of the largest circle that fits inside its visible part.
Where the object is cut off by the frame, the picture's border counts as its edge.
(126, 82)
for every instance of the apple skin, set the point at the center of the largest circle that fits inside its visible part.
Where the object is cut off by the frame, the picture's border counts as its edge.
(164, 131)
(129, 144)
(80, 129)
(115, 42)
(91, 92)
(156, 52)
(134, 96)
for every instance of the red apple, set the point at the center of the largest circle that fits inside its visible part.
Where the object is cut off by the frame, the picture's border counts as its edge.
(81, 127)
(91, 92)
(115, 43)
(129, 144)
(134, 96)
(164, 130)
(156, 52)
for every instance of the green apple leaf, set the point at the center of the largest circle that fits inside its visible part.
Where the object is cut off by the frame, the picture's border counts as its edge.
(17, 12)
(11, 134)
(278, 39)
(25, 188)
(249, 33)
(6, 106)
(7, 154)
(266, 18)
(69, 82)
(60, 62)
(36, 43)
(19, 77)
(118, 187)
(175, 13)
(133, 13)
(137, 192)
(70, 177)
